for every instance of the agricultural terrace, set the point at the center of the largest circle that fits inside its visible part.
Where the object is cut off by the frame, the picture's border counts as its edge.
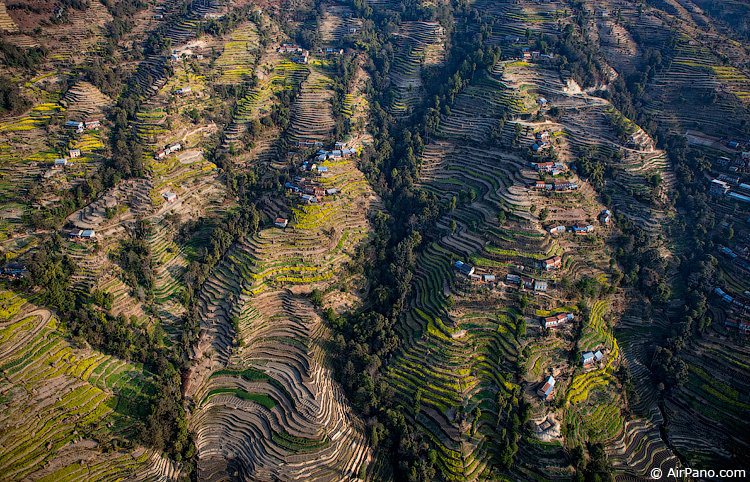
(265, 403)
(67, 411)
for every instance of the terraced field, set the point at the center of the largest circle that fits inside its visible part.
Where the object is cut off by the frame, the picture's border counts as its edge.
(576, 303)
(265, 403)
(66, 409)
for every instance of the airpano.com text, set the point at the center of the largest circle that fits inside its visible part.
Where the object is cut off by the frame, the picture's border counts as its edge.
(682, 473)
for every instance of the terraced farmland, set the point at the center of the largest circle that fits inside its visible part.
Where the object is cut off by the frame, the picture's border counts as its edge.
(265, 403)
(64, 406)
(373, 241)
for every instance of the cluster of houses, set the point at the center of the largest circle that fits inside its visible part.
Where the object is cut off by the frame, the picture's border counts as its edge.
(79, 127)
(330, 51)
(535, 55)
(526, 282)
(742, 326)
(557, 186)
(578, 228)
(469, 271)
(63, 161)
(308, 144)
(730, 187)
(310, 192)
(590, 358)
(738, 260)
(184, 54)
(299, 55)
(162, 153)
(549, 167)
(541, 141)
(82, 234)
(740, 162)
(554, 321)
(340, 151)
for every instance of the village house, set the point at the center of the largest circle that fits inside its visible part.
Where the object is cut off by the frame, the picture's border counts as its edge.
(557, 230)
(332, 51)
(488, 278)
(538, 147)
(281, 223)
(92, 124)
(549, 167)
(75, 125)
(533, 284)
(739, 197)
(183, 91)
(605, 216)
(718, 188)
(583, 228)
(558, 319)
(589, 358)
(61, 162)
(724, 295)
(169, 197)
(306, 144)
(331, 191)
(722, 161)
(552, 263)
(542, 136)
(287, 48)
(565, 186)
(463, 268)
(339, 145)
(160, 154)
(73, 153)
(83, 234)
(545, 392)
(513, 279)
(543, 166)
(302, 58)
